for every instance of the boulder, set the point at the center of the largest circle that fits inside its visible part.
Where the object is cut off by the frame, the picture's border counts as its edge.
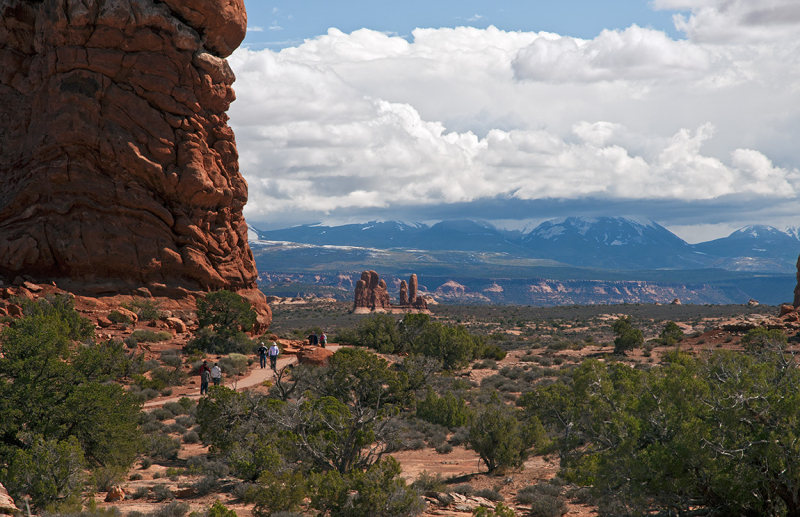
(104, 322)
(316, 356)
(130, 315)
(115, 494)
(119, 168)
(7, 506)
(176, 324)
(676, 301)
(14, 310)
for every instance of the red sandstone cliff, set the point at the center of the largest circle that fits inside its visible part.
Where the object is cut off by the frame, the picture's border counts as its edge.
(117, 166)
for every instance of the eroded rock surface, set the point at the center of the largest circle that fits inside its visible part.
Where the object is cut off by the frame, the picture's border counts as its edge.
(118, 167)
(371, 292)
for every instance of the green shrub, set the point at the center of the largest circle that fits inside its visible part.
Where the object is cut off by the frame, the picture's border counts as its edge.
(627, 338)
(449, 411)
(500, 510)
(118, 317)
(279, 493)
(500, 440)
(226, 313)
(427, 482)
(377, 492)
(175, 408)
(490, 494)
(220, 510)
(760, 339)
(146, 310)
(48, 471)
(164, 447)
(149, 336)
(671, 334)
(162, 493)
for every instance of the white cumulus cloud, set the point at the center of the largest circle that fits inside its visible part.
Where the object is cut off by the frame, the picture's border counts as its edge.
(371, 122)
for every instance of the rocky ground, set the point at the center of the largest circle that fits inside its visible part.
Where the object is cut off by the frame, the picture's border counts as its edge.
(149, 485)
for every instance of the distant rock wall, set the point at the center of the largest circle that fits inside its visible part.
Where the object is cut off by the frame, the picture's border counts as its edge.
(116, 159)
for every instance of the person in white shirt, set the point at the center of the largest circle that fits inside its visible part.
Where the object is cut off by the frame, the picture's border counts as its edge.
(274, 351)
(216, 374)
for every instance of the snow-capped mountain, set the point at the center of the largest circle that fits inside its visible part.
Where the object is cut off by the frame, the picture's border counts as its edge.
(612, 242)
(602, 242)
(755, 248)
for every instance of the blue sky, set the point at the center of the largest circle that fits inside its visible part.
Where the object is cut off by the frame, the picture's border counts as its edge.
(288, 23)
(686, 112)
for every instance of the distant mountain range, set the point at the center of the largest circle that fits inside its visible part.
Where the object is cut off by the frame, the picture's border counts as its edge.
(605, 242)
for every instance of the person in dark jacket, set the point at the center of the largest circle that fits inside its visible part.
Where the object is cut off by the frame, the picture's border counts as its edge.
(205, 377)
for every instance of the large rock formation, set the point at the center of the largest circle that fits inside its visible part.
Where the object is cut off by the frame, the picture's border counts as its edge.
(117, 166)
(371, 293)
(797, 288)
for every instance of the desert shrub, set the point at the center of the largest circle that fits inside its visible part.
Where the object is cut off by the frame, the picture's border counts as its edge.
(279, 493)
(118, 317)
(208, 341)
(547, 506)
(499, 439)
(486, 364)
(559, 345)
(427, 482)
(175, 408)
(671, 334)
(220, 510)
(512, 372)
(460, 436)
(145, 310)
(444, 448)
(166, 392)
(149, 393)
(205, 485)
(140, 493)
(104, 478)
(233, 364)
(202, 465)
(161, 414)
(176, 428)
(490, 494)
(149, 336)
(449, 410)
(493, 352)
(162, 493)
(173, 509)
(628, 337)
(48, 471)
(530, 493)
(188, 404)
(186, 421)
(464, 489)
(146, 463)
(163, 446)
(378, 491)
(760, 339)
(191, 437)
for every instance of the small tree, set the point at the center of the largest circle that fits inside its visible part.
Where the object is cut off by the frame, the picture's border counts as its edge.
(500, 440)
(671, 334)
(760, 339)
(226, 313)
(628, 337)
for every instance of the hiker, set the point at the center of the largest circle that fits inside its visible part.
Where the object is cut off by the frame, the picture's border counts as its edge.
(274, 351)
(323, 340)
(205, 376)
(262, 355)
(312, 339)
(216, 374)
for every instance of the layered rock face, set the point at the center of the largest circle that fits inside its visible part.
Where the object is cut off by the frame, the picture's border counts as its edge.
(116, 161)
(371, 292)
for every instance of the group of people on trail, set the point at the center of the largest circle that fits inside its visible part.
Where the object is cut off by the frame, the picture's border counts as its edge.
(209, 375)
(272, 352)
(313, 340)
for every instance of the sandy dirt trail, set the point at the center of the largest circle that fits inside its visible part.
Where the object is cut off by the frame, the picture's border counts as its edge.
(253, 378)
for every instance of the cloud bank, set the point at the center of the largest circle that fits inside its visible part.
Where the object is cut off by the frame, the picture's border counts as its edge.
(367, 125)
